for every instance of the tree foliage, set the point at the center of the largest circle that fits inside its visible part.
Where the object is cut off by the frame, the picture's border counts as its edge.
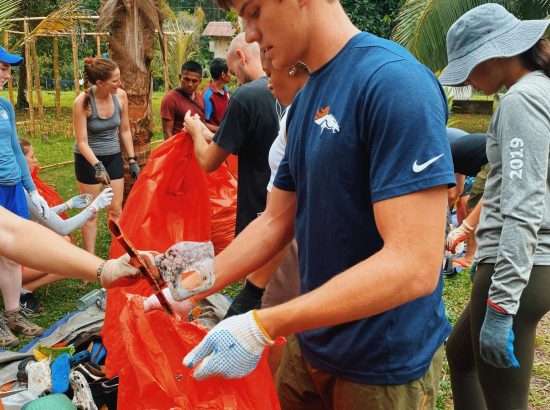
(374, 16)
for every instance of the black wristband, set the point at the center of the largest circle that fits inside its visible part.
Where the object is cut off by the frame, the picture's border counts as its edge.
(134, 158)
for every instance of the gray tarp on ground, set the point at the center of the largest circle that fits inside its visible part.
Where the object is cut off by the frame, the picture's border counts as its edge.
(82, 321)
(214, 308)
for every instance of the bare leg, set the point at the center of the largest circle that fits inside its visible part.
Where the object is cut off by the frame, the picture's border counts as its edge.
(89, 229)
(115, 209)
(30, 275)
(44, 280)
(10, 283)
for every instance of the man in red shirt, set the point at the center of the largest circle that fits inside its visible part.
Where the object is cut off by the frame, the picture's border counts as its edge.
(216, 95)
(185, 98)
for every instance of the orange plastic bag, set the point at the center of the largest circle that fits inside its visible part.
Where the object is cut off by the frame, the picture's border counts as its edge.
(222, 188)
(170, 203)
(155, 378)
(47, 191)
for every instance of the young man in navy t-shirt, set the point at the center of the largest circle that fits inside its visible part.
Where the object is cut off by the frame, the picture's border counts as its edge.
(367, 167)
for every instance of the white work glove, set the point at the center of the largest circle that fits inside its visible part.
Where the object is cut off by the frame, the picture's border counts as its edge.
(190, 263)
(232, 349)
(40, 203)
(119, 272)
(102, 200)
(181, 308)
(458, 235)
(79, 201)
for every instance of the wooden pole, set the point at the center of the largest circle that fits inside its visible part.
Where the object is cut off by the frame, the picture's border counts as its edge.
(36, 73)
(75, 66)
(29, 75)
(166, 75)
(10, 83)
(98, 45)
(56, 75)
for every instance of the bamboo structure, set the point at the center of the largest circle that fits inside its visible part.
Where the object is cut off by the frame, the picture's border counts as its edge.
(10, 83)
(37, 80)
(29, 76)
(98, 45)
(75, 65)
(33, 70)
(56, 75)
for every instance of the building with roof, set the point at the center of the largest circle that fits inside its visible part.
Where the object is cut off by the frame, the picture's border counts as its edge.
(221, 32)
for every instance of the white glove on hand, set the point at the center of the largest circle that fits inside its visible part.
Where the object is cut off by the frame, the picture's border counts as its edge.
(232, 349)
(119, 272)
(102, 200)
(181, 308)
(40, 203)
(187, 262)
(79, 201)
(458, 235)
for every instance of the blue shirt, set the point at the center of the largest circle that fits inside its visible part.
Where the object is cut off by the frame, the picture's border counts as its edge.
(209, 109)
(13, 165)
(368, 126)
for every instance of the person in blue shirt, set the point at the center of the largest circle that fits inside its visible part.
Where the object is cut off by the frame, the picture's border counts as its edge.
(15, 179)
(366, 167)
(216, 94)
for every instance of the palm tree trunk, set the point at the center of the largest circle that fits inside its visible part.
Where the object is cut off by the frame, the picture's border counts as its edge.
(131, 47)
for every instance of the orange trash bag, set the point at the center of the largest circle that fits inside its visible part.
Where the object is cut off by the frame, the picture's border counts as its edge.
(167, 204)
(155, 378)
(170, 203)
(222, 188)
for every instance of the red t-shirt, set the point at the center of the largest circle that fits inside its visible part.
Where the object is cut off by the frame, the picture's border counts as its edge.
(174, 106)
(215, 103)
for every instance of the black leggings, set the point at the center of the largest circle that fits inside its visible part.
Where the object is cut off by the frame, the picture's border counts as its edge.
(476, 384)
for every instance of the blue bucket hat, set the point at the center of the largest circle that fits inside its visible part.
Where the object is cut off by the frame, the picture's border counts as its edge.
(9, 58)
(485, 32)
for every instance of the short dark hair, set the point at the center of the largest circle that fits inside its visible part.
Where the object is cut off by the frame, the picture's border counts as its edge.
(217, 67)
(192, 66)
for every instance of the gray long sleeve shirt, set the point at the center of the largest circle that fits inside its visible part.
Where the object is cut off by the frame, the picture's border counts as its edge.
(55, 222)
(514, 230)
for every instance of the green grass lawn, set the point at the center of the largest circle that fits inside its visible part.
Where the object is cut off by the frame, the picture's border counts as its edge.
(55, 148)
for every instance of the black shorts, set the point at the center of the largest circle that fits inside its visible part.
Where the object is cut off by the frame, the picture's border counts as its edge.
(469, 154)
(85, 173)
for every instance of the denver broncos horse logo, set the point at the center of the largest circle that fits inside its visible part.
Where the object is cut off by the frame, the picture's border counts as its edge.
(326, 120)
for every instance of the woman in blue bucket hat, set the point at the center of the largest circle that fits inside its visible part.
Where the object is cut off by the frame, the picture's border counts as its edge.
(491, 348)
(14, 179)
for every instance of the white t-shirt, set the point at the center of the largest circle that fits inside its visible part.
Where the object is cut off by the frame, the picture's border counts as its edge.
(277, 150)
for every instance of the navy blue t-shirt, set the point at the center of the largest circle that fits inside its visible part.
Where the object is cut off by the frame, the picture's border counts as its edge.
(368, 126)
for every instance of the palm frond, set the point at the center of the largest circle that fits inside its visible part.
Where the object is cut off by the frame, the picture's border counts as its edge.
(533, 9)
(183, 42)
(67, 18)
(8, 9)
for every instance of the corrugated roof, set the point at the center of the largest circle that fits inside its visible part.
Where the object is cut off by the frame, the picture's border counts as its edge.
(219, 29)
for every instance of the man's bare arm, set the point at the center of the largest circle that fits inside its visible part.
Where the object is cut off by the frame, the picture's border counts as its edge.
(403, 270)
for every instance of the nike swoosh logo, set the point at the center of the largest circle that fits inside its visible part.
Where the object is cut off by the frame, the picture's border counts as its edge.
(422, 167)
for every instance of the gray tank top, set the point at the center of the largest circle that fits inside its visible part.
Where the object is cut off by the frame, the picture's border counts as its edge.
(103, 132)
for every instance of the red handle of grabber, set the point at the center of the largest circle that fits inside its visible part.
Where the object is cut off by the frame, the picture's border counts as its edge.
(137, 262)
